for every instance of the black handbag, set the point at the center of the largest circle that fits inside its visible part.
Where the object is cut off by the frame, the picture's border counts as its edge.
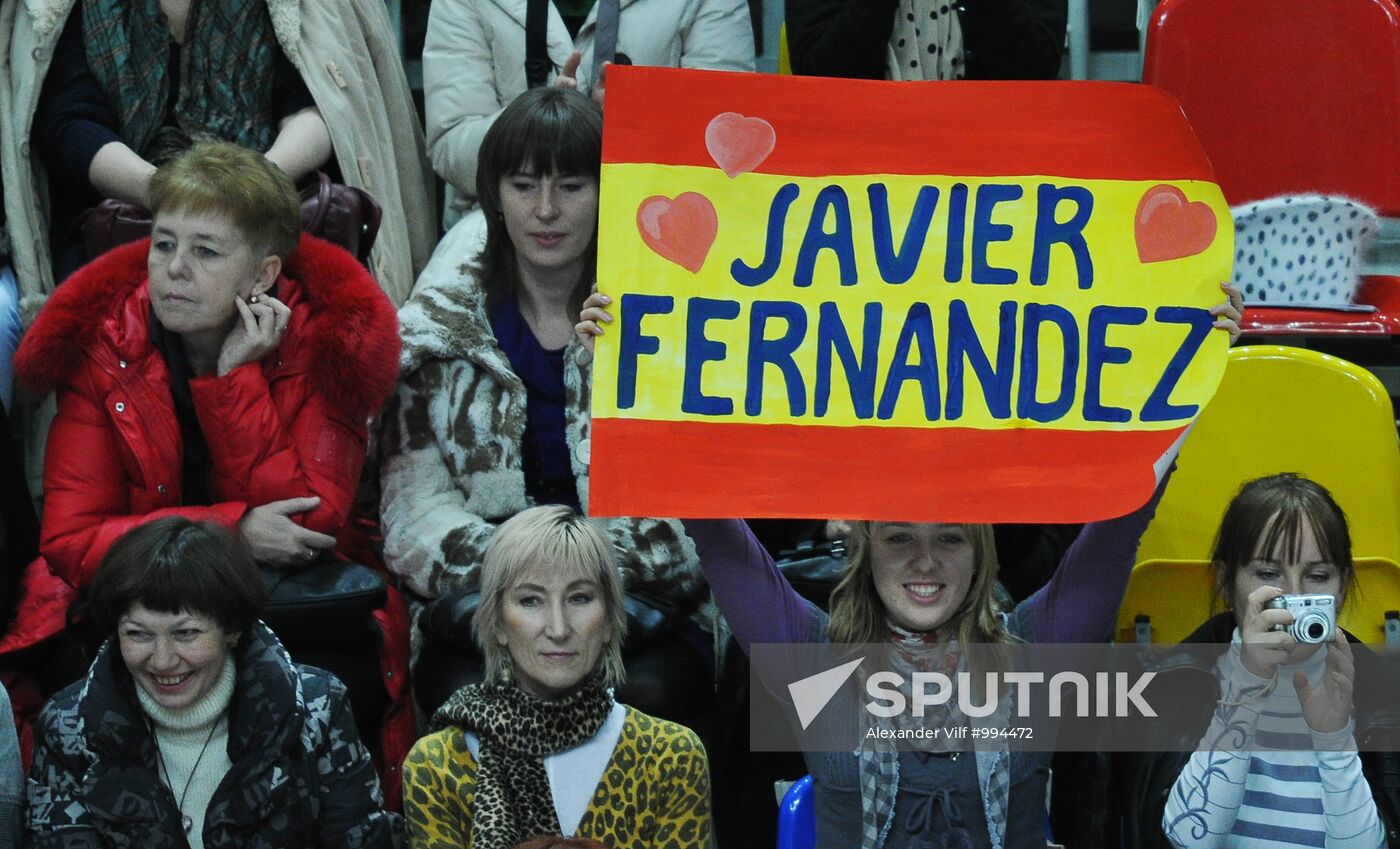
(324, 605)
(342, 215)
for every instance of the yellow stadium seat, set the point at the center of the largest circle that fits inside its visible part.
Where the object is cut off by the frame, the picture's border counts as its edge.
(1377, 594)
(1176, 596)
(1282, 409)
(784, 60)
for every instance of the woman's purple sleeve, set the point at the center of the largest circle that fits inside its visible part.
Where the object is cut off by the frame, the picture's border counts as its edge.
(757, 601)
(1080, 602)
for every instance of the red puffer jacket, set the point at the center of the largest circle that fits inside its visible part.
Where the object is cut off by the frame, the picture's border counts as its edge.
(292, 425)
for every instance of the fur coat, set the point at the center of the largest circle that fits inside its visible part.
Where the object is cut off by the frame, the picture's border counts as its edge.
(348, 58)
(451, 468)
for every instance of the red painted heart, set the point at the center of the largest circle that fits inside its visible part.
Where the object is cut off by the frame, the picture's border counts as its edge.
(1168, 227)
(681, 230)
(738, 144)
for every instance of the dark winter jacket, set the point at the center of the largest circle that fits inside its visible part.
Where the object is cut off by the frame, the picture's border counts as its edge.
(1002, 39)
(301, 777)
(1144, 779)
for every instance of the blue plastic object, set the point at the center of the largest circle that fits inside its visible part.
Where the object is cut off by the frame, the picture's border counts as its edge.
(797, 817)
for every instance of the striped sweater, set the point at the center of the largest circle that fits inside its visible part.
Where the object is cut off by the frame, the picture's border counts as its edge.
(1262, 778)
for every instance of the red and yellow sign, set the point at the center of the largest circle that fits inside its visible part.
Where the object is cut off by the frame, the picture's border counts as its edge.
(920, 301)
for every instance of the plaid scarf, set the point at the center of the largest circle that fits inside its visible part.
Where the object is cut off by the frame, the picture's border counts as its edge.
(513, 800)
(912, 652)
(226, 72)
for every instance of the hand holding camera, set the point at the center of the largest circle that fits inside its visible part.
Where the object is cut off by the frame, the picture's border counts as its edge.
(1276, 626)
(1328, 708)
(1314, 616)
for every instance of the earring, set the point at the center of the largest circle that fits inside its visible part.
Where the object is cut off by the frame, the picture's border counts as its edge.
(505, 676)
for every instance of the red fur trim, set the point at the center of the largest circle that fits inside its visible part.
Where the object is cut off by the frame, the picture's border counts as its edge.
(351, 337)
(71, 320)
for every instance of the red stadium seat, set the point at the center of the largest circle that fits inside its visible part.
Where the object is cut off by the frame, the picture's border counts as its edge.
(1288, 97)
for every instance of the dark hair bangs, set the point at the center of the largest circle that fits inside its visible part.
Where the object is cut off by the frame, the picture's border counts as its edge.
(173, 565)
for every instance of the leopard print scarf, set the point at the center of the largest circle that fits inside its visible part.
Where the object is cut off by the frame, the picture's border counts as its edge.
(513, 801)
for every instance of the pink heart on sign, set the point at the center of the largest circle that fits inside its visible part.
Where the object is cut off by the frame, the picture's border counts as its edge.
(1168, 227)
(738, 144)
(681, 230)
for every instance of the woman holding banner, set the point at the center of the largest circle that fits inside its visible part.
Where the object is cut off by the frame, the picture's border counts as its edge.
(491, 414)
(1276, 738)
(927, 589)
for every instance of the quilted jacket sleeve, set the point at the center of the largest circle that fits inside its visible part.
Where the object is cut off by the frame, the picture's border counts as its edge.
(459, 89)
(351, 809)
(266, 446)
(57, 817)
(86, 505)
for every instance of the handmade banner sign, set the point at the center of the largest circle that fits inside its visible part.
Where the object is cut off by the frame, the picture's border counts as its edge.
(921, 301)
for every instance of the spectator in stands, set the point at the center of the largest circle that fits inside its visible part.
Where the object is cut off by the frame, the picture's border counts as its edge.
(1282, 534)
(927, 39)
(11, 776)
(224, 371)
(916, 585)
(105, 91)
(474, 65)
(540, 747)
(491, 414)
(193, 726)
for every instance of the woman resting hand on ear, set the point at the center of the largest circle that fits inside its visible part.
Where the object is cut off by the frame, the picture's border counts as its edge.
(223, 371)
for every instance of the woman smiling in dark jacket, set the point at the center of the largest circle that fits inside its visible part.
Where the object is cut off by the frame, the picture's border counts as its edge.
(193, 726)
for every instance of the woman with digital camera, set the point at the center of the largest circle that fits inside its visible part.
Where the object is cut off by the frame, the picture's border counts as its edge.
(1294, 696)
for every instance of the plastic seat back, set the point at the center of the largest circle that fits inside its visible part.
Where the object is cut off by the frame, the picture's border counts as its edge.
(1368, 610)
(1166, 600)
(1284, 409)
(1287, 96)
(797, 817)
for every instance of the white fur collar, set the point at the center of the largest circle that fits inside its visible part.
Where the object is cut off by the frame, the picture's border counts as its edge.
(446, 319)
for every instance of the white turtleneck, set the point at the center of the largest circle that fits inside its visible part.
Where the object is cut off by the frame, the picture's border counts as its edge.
(193, 743)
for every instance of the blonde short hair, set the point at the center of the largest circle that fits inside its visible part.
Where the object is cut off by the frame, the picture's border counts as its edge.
(550, 537)
(225, 179)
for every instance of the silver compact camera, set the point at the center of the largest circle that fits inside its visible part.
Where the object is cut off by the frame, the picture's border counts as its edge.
(1314, 616)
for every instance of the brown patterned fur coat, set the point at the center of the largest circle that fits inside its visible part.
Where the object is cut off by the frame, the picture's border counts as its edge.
(451, 445)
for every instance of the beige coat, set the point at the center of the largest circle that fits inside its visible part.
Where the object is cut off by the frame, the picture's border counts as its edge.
(474, 64)
(348, 57)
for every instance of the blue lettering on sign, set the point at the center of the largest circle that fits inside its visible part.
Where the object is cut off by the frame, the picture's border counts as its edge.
(700, 350)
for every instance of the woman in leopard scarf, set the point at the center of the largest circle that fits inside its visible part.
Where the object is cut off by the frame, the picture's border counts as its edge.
(541, 747)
